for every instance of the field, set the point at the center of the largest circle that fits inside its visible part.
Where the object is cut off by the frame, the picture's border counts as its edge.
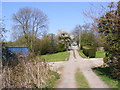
(99, 54)
(61, 56)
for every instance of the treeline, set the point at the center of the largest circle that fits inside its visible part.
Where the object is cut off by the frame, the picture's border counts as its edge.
(86, 35)
(49, 43)
(87, 39)
(109, 27)
(105, 32)
(30, 29)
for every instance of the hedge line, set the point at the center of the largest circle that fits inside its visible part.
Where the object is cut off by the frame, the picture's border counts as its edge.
(89, 52)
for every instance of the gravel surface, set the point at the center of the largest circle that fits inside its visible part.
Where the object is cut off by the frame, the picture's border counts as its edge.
(70, 67)
(68, 79)
(85, 67)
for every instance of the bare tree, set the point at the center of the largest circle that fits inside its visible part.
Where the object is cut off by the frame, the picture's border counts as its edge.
(2, 30)
(76, 32)
(2, 39)
(30, 21)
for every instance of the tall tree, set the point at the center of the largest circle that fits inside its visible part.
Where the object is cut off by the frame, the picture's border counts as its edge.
(109, 27)
(30, 23)
(88, 38)
(77, 32)
(2, 30)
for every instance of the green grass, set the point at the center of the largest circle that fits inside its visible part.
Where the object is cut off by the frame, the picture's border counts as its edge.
(61, 56)
(52, 81)
(105, 75)
(82, 54)
(81, 81)
(100, 54)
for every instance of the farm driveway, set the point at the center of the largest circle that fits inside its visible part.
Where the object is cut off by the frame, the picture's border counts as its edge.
(70, 67)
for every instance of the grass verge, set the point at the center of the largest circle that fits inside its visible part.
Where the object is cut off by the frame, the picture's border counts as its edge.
(82, 54)
(105, 75)
(52, 81)
(61, 56)
(81, 81)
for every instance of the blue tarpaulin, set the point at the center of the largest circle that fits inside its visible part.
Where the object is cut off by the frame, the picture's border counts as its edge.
(22, 50)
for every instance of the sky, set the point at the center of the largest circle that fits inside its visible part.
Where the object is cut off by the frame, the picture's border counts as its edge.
(61, 15)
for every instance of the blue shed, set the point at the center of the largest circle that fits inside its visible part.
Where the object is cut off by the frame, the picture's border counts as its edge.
(22, 50)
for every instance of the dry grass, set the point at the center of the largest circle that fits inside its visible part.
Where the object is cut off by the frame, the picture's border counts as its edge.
(26, 75)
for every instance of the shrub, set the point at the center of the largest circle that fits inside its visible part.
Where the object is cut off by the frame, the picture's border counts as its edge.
(109, 28)
(105, 59)
(31, 74)
(60, 48)
(89, 52)
(85, 52)
(9, 58)
(92, 53)
(40, 46)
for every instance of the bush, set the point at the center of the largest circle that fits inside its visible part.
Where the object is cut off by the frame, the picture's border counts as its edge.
(105, 59)
(31, 74)
(9, 58)
(109, 28)
(39, 46)
(89, 52)
(60, 48)
(92, 53)
(85, 52)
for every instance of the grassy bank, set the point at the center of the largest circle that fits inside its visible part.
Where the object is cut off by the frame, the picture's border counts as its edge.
(105, 75)
(99, 54)
(61, 56)
(81, 81)
(82, 54)
(52, 81)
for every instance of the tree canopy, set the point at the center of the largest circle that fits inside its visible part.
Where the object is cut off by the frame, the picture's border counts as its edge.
(109, 27)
